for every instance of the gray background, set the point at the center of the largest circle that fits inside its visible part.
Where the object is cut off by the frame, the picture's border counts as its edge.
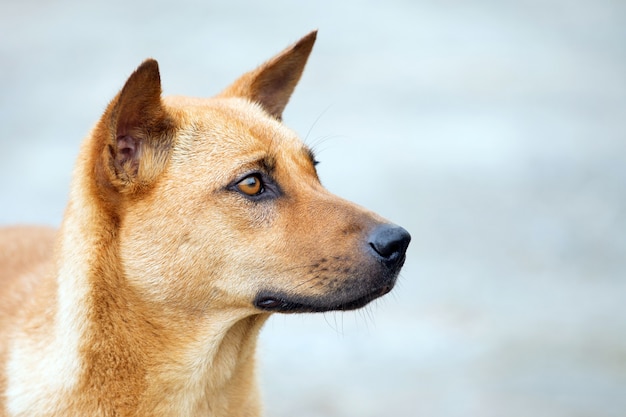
(494, 131)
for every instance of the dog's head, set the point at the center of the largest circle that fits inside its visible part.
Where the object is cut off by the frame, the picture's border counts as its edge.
(218, 205)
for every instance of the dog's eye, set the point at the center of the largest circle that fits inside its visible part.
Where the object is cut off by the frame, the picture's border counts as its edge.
(251, 185)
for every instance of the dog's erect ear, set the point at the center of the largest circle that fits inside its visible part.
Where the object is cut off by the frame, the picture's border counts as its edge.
(139, 105)
(138, 129)
(272, 83)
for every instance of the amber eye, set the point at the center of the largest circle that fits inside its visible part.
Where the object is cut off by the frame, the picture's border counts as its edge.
(251, 185)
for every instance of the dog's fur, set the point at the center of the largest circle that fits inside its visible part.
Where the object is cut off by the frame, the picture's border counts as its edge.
(189, 222)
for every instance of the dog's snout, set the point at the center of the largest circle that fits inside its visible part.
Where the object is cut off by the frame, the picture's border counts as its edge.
(389, 243)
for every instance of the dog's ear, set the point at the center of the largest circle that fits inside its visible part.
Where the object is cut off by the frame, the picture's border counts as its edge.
(138, 130)
(272, 83)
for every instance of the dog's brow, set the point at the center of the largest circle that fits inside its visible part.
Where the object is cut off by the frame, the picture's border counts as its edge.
(266, 162)
(261, 161)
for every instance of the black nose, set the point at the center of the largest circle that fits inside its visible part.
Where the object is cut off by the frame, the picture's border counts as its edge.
(390, 243)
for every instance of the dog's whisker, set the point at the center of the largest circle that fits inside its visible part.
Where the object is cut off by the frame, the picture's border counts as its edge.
(317, 119)
(293, 268)
(321, 140)
(335, 326)
(304, 283)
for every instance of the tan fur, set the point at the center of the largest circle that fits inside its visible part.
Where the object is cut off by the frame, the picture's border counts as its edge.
(149, 300)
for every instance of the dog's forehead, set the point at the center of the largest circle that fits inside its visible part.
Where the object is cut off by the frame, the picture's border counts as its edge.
(233, 130)
(230, 117)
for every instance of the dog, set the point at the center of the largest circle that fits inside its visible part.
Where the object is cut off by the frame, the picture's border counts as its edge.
(190, 221)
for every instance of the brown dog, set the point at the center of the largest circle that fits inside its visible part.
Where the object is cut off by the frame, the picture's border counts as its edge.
(190, 221)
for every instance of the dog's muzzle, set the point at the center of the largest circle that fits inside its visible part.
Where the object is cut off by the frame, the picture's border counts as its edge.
(386, 250)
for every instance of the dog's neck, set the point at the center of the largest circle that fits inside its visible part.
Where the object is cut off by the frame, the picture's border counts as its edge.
(146, 360)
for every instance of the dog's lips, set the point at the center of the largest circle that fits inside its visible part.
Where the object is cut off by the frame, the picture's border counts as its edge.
(274, 302)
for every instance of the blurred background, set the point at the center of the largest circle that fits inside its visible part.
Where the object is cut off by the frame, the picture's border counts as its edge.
(494, 131)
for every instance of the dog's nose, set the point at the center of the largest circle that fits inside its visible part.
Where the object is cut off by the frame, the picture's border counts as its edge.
(390, 243)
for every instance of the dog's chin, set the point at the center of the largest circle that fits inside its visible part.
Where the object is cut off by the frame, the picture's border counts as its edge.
(277, 302)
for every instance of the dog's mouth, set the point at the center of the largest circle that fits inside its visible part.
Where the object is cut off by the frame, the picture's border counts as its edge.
(283, 303)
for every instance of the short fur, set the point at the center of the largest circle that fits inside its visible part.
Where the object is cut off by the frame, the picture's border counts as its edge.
(149, 299)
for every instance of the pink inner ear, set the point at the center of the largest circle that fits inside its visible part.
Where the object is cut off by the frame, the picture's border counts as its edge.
(126, 149)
